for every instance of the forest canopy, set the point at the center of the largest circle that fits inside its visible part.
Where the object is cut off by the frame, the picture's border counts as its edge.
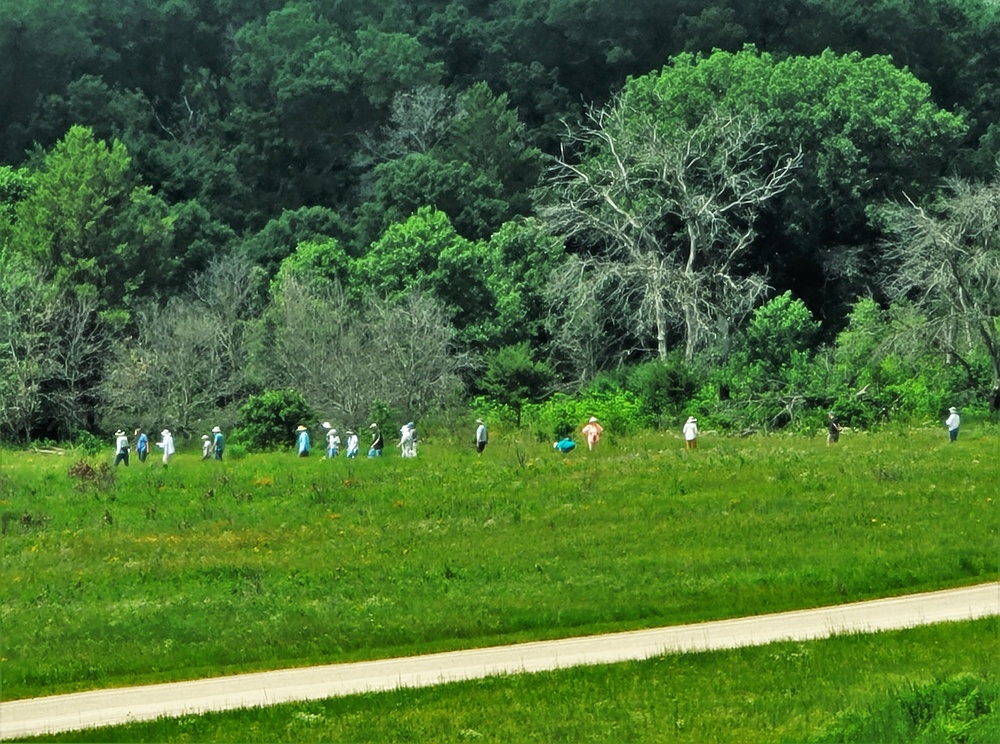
(692, 206)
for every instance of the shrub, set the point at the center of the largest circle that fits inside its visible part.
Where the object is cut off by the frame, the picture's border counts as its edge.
(269, 420)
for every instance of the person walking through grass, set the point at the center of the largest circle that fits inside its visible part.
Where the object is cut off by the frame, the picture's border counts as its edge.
(141, 445)
(482, 436)
(353, 445)
(218, 442)
(332, 440)
(952, 423)
(166, 443)
(121, 448)
(833, 429)
(691, 433)
(592, 431)
(408, 440)
(302, 441)
(378, 444)
(206, 447)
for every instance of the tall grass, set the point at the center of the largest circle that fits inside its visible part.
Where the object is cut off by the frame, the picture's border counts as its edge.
(147, 574)
(933, 684)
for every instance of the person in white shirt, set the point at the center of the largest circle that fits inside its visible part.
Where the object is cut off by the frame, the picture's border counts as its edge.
(952, 423)
(332, 440)
(482, 436)
(206, 447)
(352, 444)
(121, 448)
(166, 443)
(691, 433)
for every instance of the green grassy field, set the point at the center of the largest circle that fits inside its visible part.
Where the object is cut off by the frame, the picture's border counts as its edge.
(207, 568)
(930, 684)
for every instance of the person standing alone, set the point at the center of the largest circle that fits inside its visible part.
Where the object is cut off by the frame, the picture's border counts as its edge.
(482, 436)
(691, 433)
(952, 423)
(832, 429)
(592, 431)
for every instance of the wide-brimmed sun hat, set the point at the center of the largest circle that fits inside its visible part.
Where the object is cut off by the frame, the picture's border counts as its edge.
(480, 421)
(593, 420)
(164, 432)
(119, 433)
(216, 430)
(302, 428)
(373, 426)
(204, 436)
(691, 419)
(326, 425)
(953, 410)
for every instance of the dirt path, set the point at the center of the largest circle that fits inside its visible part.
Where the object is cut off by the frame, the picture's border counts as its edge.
(121, 705)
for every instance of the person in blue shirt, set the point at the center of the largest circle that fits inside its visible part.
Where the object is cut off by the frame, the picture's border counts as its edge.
(565, 445)
(219, 442)
(303, 441)
(141, 445)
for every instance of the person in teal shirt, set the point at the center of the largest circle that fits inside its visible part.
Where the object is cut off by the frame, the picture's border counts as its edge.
(219, 442)
(303, 441)
(565, 445)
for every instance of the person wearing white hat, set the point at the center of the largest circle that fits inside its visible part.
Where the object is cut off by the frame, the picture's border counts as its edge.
(691, 433)
(206, 447)
(352, 444)
(378, 444)
(332, 440)
(408, 440)
(218, 442)
(592, 431)
(166, 443)
(302, 441)
(121, 448)
(952, 424)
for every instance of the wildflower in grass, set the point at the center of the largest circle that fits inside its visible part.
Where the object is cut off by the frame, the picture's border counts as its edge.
(263, 481)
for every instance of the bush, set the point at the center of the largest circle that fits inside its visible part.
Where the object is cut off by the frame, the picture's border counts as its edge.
(269, 420)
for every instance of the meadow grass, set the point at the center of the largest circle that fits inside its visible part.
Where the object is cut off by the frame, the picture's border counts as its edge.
(149, 574)
(882, 687)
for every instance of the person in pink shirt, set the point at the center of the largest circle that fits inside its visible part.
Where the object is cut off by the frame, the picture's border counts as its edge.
(593, 431)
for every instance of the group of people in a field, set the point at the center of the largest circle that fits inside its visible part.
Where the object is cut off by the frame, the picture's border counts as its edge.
(212, 446)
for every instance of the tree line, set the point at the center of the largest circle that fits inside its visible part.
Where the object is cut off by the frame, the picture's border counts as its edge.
(402, 204)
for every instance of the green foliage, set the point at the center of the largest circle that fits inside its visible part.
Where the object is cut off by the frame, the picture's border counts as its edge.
(513, 378)
(279, 238)
(321, 264)
(964, 709)
(619, 411)
(269, 420)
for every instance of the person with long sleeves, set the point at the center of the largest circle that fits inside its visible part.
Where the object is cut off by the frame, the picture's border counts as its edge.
(166, 443)
(302, 441)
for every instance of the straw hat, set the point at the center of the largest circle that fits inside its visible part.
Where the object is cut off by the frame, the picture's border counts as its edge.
(302, 428)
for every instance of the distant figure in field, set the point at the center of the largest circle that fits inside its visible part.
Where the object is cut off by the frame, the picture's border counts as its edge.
(593, 431)
(564, 445)
(141, 445)
(691, 433)
(218, 442)
(378, 444)
(352, 444)
(332, 440)
(121, 448)
(206, 447)
(302, 441)
(482, 436)
(952, 423)
(166, 443)
(832, 429)
(408, 440)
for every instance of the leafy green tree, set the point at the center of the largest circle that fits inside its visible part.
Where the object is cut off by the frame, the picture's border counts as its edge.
(280, 236)
(513, 378)
(87, 226)
(318, 264)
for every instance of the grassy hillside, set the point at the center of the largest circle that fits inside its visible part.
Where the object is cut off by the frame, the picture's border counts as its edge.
(144, 574)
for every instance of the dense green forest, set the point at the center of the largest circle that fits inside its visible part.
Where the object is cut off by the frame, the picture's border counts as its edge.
(752, 211)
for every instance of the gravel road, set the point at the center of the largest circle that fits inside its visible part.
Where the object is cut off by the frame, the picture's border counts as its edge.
(121, 705)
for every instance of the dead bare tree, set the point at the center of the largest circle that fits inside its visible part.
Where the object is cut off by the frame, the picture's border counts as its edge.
(667, 212)
(946, 258)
